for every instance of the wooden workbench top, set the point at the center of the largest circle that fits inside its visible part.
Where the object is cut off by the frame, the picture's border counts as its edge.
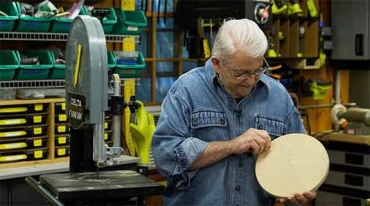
(346, 138)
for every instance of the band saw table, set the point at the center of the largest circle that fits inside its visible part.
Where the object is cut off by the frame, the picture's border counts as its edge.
(98, 174)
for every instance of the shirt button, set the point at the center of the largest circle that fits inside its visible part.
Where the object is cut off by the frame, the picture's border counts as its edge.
(194, 122)
(260, 127)
(222, 121)
(237, 188)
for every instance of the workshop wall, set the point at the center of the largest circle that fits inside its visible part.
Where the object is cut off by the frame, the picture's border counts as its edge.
(320, 118)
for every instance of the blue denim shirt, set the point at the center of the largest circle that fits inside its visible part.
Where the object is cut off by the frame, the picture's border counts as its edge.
(196, 111)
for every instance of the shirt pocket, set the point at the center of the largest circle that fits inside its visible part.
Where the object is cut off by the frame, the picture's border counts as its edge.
(274, 126)
(209, 125)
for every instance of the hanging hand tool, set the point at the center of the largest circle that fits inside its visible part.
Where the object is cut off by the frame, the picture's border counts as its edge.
(165, 11)
(294, 8)
(278, 7)
(206, 52)
(301, 34)
(211, 33)
(158, 10)
(312, 8)
(271, 45)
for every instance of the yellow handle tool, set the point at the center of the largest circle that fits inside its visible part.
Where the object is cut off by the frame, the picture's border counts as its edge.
(312, 8)
(142, 129)
(77, 66)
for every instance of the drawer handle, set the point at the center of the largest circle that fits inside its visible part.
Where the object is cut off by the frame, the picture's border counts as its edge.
(353, 180)
(354, 159)
(351, 201)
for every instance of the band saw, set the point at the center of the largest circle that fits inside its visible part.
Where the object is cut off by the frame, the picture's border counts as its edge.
(98, 174)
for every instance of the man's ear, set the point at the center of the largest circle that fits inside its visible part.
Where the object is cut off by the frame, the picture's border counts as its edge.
(216, 62)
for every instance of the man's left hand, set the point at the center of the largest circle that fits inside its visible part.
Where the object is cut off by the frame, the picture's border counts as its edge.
(299, 198)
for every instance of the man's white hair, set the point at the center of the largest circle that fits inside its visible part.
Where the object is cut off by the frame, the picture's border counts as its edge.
(243, 35)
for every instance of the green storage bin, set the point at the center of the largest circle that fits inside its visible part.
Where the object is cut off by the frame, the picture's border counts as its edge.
(58, 71)
(32, 24)
(110, 21)
(7, 22)
(129, 22)
(111, 60)
(130, 71)
(33, 72)
(9, 63)
(62, 24)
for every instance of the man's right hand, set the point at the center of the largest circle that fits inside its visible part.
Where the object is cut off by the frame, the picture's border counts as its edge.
(252, 141)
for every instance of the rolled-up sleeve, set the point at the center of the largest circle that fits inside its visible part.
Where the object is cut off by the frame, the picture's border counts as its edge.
(173, 148)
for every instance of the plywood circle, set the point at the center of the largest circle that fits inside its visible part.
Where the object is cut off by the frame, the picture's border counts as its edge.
(295, 163)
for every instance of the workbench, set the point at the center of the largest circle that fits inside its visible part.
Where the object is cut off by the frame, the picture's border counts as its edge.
(14, 190)
(348, 181)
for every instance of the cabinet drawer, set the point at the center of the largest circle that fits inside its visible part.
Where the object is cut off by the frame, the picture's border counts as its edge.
(348, 180)
(349, 158)
(324, 198)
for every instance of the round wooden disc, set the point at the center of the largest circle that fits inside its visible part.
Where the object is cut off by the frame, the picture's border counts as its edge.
(295, 163)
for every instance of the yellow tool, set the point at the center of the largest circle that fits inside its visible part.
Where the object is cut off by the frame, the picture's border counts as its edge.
(280, 10)
(77, 66)
(271, 53)
(13, 110)
(319, 89)
(142, 129)
(322, 55)
(294, 8)
(205, 44)
(271, 45)
(312, 8)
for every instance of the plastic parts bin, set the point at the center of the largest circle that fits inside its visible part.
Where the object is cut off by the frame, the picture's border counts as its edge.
(109, 21)
(130, 70)
(111, 60)
(32, 24)
(7, 22)
(62, 24)
(33, 71)
(9, 63)
(129, 22)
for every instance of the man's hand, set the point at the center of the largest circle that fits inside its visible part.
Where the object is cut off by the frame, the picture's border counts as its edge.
(299, 198)
(253, 140)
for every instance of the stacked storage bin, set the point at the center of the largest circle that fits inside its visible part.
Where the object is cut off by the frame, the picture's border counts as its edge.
(129, 64)
(131, 23)
(9, 63)
(61, 131)
(23, 133)
(12, 15)
(107, 16)
(35, 65)
(32, 24)
(62, 24)
(58, 70)
(108, 130)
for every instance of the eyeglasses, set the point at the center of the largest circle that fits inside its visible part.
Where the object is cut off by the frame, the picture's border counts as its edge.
(245, 75)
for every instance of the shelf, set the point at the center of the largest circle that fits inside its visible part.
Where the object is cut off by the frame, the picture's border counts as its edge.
(15, 84)
(30, 101)
(27, 36)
